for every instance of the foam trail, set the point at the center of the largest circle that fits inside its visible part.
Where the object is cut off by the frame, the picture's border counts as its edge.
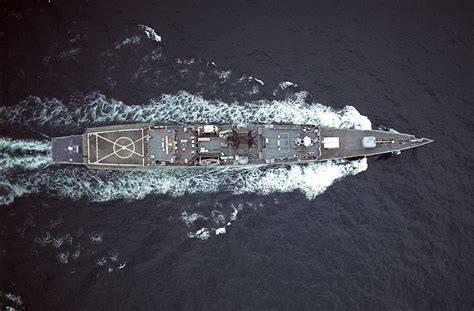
(312, 179)
(23, 154)
(150, 33)
(181, 107)
(8, 163)
(99, 186)
(9, 145)
(132, 40)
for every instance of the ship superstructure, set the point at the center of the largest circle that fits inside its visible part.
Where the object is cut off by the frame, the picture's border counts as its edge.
(151, 146)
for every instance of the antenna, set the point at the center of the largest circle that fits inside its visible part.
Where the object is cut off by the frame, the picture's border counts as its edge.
(47, 165)
(44, 135)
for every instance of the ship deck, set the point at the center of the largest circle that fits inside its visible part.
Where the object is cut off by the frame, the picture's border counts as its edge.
(60, 151)
(351, 143)
(145, 146)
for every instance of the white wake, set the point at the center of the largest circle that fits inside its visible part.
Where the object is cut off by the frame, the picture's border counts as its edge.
(100, 186)
(182, 107)
(23, 155)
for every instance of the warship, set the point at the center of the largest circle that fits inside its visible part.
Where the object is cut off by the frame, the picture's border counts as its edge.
(151, 146)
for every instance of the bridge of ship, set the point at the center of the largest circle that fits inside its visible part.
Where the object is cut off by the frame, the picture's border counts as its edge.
(279, 143)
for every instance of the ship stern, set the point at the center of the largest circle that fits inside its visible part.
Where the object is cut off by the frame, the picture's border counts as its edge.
(68, 149)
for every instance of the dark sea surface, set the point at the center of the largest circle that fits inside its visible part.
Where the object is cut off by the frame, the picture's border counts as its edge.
(393, 233)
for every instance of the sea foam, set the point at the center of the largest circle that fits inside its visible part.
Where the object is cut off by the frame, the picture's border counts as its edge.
(150, 33)
(99, 186)
(96, 108)
(23, 154)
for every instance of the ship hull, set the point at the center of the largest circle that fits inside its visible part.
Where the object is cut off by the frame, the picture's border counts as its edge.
(151, 146)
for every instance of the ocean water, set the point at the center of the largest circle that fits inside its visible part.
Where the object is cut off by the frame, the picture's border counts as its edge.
(387, 233)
